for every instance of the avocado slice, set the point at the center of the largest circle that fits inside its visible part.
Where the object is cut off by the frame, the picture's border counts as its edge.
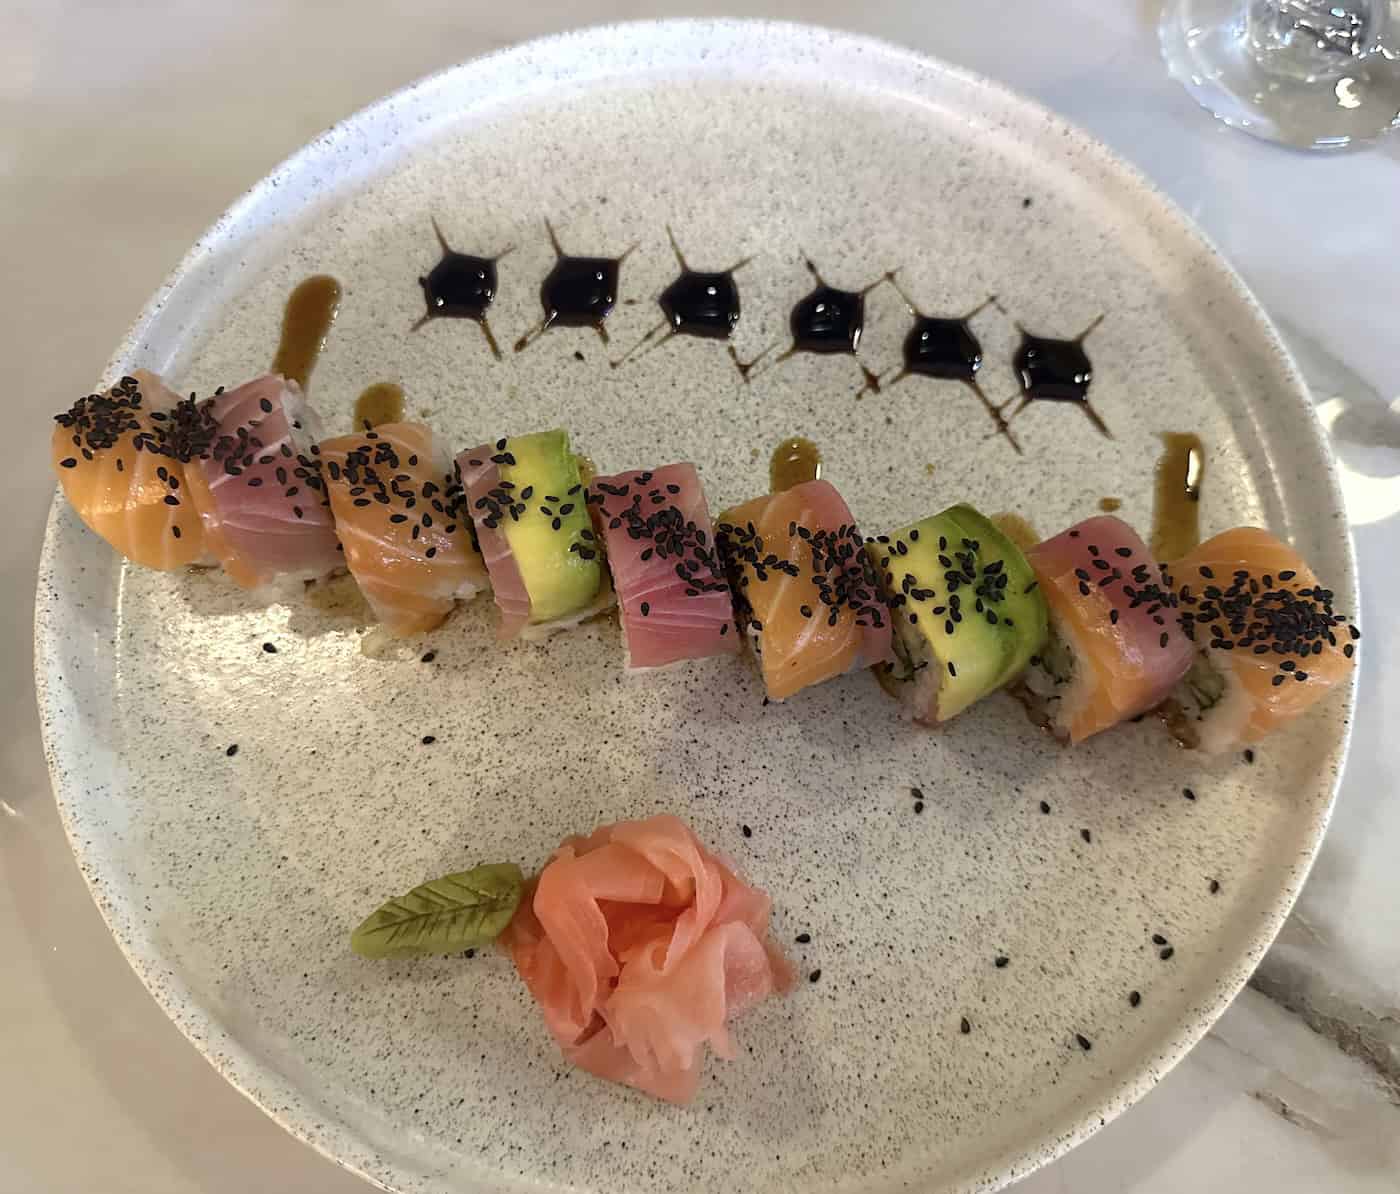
(552, 541)
(968, 614)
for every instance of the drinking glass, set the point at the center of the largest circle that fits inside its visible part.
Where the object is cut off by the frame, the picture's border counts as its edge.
(1311, 74)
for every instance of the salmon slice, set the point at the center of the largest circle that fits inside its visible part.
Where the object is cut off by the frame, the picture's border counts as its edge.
(804, 590)
(1271, 643)
(259, 489)
(397, 507)
(121, 460)
(640, 946)
(1116, 650)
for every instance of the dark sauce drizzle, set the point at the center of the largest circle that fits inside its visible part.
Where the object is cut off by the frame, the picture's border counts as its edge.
(580, 292)
(829, 321)
(1057, 371)
(461, 286)
(947, 349)
(695, 304)
(311, 309)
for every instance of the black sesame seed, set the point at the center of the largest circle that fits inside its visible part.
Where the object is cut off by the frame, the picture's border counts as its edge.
(428, 739)
(1001, 961)
(428, 657)
(747, 832)
(1166, 953)
(232, 750)
(69, 462)
(1158, 939)
(1084, 1042)
(965, 1027)
(1188, 793)
(270, 648)
(1249, 756)
(1214, 886)
(804, 938)
(918, 806)
(1134, 998)
(815, 975)
(646, 608)
(1086, 835)
(1045, 806)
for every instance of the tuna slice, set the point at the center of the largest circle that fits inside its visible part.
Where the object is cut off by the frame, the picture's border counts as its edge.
(259, 490)
(640, 946)
(660, 546)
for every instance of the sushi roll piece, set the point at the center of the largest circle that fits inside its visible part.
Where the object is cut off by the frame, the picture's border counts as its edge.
(805, 595)
(1115, 649)
(121, 458)
(398, 511)
(1269, 644)
(258, 488)
(968, 614)
(674, 600)
(526, 499)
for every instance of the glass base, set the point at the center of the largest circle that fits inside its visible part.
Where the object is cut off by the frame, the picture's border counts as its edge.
(1212, 49)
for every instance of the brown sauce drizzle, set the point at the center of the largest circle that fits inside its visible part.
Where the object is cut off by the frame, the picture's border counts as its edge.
(1017, 529)
(380, 403)
(794, 461)
(1176, 515)
(310, 311)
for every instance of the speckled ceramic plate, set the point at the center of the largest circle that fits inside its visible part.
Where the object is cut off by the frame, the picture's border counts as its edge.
(233, 883)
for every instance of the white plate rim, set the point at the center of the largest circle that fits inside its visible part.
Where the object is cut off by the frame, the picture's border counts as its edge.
(282, 1100)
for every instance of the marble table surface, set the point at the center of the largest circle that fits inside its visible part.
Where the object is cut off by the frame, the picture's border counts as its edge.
(126, 128)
